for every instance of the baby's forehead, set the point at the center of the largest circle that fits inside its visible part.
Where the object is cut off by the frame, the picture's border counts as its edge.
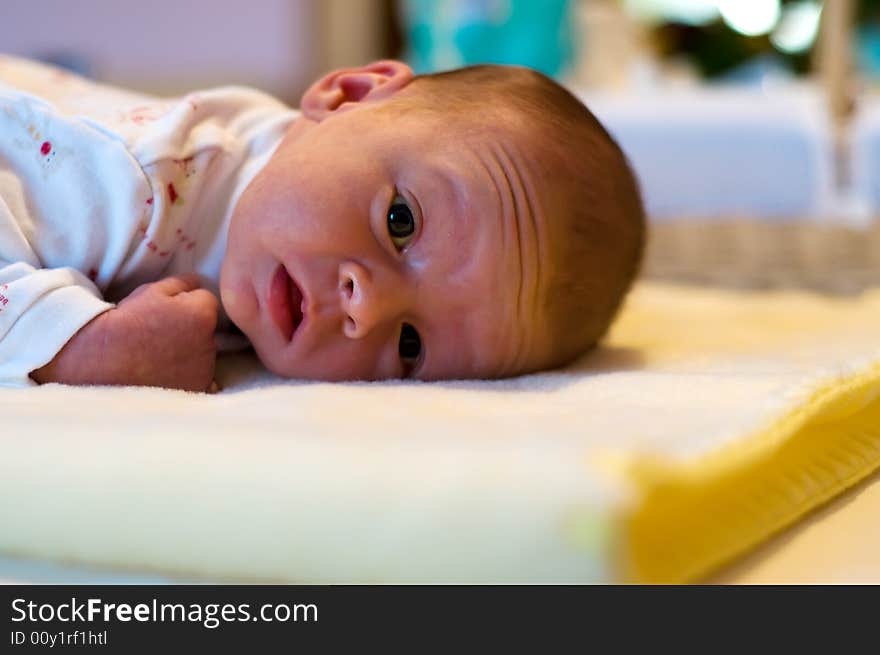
(497, 170)
(468, 149)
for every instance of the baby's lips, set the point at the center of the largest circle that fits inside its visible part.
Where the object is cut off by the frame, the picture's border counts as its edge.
(297, 300)
(278, 302)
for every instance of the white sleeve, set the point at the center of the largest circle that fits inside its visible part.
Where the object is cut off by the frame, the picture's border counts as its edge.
(40, 310)
(71, 203)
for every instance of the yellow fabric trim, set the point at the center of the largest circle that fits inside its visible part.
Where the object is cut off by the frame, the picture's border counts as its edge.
(695, 516)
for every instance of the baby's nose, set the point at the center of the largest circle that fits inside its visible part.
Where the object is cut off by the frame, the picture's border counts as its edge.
(366, 301)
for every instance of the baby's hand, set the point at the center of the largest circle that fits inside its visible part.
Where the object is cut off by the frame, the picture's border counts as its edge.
(161, 335)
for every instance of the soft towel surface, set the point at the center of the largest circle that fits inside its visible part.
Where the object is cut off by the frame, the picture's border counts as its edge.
(709, 420)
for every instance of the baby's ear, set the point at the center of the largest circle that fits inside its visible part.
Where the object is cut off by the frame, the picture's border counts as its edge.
(346, 88)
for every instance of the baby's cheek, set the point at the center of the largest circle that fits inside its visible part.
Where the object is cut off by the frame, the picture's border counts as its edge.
(238, 297)
(230, 298)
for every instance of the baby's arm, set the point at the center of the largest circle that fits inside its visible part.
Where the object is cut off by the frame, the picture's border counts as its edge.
(161, 335)
(75, 207)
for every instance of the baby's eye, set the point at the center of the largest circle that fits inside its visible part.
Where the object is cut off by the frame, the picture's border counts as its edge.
(409, 346)
(401, 224)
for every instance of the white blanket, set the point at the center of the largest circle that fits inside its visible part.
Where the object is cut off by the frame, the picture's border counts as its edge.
(549, 477)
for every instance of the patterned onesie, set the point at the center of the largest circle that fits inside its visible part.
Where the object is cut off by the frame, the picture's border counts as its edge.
(102, 190)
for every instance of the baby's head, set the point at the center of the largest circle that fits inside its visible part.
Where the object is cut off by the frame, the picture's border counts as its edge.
(478, 223)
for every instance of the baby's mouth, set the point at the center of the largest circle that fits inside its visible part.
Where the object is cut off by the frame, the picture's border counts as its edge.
(285, 300)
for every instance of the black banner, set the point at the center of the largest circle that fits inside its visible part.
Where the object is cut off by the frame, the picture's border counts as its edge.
(132, 619)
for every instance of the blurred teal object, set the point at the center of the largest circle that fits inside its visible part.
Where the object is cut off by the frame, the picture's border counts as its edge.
(444, 34)
(868, 50)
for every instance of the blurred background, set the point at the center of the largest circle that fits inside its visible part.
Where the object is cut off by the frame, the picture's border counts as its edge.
(753, 125)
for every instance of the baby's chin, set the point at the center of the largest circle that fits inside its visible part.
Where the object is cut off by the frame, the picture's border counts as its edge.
(294, 372)
(311, 369)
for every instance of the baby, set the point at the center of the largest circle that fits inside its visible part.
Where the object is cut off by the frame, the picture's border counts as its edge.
(477, 223)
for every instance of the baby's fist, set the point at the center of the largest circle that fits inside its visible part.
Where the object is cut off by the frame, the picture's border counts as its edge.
(161, 335)
(170, 326)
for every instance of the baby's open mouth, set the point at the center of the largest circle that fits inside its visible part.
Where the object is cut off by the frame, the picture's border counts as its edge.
(285, 303)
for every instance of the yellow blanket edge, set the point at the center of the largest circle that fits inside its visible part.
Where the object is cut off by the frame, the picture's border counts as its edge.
(695, 516)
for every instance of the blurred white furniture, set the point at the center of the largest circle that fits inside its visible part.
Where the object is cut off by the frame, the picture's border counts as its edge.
(865, 151)
(725, 152)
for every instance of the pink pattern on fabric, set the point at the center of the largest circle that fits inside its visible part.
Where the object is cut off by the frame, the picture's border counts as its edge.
(145, 114)
(35, 132)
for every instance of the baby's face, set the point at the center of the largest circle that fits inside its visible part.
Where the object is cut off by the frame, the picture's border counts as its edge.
(376, 245)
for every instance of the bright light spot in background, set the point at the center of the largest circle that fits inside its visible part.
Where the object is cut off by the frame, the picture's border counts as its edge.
(750, 17)
(689, 12)
(797, 24)
(798, 27)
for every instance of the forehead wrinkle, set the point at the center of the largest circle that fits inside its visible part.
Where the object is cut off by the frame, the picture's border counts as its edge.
(525, 224)
(479, 212)
(458, 217)
(510, 198)
(526, 219)
(499, 196)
